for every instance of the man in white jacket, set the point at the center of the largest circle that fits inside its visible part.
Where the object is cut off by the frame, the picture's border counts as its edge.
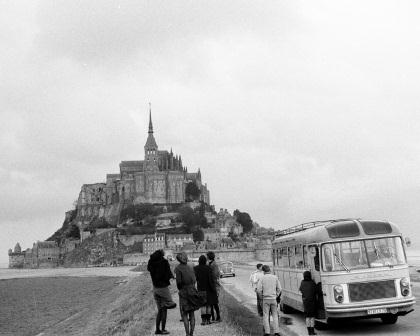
(269, 288)
(253, 280)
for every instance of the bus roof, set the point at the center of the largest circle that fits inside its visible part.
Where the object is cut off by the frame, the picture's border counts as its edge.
(336, 229)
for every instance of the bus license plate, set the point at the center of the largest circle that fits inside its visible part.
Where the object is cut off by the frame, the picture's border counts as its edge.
(377, 311)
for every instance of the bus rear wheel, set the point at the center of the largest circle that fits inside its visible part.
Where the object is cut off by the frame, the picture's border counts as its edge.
(286, 309)
(389, 318)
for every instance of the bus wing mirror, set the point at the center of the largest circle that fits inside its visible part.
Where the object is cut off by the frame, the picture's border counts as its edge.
(407, 241)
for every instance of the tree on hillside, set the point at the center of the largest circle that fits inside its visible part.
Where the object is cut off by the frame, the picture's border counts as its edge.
(73, 232)
(138, 212)
(244, 219)
(192, 219)
(233, 236)
(192, 192)
(198, 235)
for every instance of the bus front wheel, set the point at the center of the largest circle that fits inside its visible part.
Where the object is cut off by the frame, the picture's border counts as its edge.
(389, 318)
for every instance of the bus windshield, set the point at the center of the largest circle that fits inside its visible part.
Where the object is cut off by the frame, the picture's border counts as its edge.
(360, 254)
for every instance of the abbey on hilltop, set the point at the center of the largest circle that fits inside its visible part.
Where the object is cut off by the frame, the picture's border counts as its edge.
(150, 204)
(160, 178)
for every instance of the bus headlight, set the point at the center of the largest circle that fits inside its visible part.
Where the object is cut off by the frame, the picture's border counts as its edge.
(338, 293)
(405, 286)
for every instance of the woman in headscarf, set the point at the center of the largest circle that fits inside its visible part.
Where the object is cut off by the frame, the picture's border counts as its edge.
(188, 295)
(161, 273)
(309, 294)
(205, 284)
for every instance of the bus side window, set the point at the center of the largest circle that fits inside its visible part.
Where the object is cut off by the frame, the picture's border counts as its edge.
(284, 260)
(299, 256)
(305, 257)
(327, 258)
(316, 258)
(291, 253)
(314, 252)
(274, 257)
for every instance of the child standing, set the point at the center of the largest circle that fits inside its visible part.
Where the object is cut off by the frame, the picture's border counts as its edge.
(308, 290)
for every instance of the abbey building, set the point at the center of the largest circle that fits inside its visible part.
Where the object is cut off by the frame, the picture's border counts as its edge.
(160, 178)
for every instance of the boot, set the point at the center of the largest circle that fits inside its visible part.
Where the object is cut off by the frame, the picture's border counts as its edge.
(203, 319)
(311, 331)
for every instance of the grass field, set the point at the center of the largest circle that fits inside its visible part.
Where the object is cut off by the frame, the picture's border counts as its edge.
(31, 305)
(105, 306)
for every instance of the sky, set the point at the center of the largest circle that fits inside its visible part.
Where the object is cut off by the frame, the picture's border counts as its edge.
(294, 111)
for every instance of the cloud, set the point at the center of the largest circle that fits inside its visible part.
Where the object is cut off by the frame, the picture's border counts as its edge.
(293, 112)
(100, 30)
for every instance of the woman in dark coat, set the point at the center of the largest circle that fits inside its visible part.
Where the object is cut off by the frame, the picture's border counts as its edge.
(206, 285)
(161, 273)
(309, 296)
(188, 296)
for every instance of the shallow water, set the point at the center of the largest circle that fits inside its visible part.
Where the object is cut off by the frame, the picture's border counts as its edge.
(413, 257)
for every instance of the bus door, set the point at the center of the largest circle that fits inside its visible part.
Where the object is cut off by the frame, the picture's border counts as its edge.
(314, 266)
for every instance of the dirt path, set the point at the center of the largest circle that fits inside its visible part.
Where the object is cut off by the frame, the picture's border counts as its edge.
(176, 328)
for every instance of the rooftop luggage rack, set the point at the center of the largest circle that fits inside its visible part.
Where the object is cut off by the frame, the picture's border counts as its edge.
(309, 225)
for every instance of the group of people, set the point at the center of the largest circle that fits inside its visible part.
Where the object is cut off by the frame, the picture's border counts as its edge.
(268, 291)
(198, 288)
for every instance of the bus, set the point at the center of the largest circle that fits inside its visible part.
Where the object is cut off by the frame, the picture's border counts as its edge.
(359, 266)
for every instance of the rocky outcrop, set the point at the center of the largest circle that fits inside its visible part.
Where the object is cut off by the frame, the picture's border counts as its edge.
(102, 249)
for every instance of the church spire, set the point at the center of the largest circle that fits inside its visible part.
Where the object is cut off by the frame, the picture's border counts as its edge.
(150, 119)
(151, 156)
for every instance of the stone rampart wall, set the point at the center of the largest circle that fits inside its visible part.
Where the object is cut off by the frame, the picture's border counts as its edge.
(238, 255)
(16, 260)
(135, 258)
(235, 255)
(263, 254)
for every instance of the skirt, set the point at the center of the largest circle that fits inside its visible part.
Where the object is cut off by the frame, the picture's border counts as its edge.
(190, 299)
(163, 298)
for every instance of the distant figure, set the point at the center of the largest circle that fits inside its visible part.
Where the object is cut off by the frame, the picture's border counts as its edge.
(161, 273)
(308, 289)
(189, 299)
(205, 284)
(253, 280)
(216, 277)
(269, 288)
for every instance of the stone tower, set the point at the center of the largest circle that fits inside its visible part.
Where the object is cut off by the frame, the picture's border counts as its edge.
(151, 148)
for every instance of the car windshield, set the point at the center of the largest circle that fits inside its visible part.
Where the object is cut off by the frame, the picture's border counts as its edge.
(359, 254)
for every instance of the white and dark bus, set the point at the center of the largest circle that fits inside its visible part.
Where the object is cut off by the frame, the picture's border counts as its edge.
(359, 266)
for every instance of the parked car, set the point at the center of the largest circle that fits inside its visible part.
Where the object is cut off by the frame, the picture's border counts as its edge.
(193, 261)
(226, 269)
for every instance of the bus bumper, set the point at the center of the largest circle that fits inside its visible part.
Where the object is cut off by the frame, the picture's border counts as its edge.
(371, 310)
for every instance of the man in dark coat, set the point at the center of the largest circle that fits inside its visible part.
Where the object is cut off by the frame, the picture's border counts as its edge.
(161, 273)
(309, 291)
(206, 285)
(216, 276)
